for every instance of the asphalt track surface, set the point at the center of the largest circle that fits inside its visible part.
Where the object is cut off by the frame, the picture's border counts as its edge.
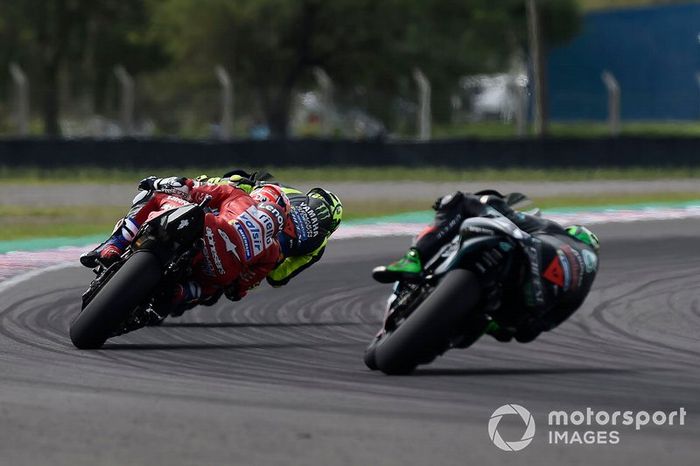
(278, 378)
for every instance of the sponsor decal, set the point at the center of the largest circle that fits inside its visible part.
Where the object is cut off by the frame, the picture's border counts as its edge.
(479, 230)
(230, 246)
(268, 227)
(176, 200)
(257, 230)
(207, 265)
(444, 230)
(244, 239)
(566, 268)
(590, 261)
(554, 273)
(305, 221)
(183, 223)
(212, 250)
(536, 286)
(253, 229)
(275, 213)
(576, 263)
(299, 226)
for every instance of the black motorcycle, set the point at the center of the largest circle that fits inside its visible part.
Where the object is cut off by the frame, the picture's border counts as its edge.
(134, 292)
(457, 297)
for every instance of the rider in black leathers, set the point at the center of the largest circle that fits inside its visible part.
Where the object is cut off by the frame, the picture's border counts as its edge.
(554, 281)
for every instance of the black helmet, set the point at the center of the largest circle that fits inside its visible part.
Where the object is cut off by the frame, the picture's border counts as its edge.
(335, 207)
(310, 221)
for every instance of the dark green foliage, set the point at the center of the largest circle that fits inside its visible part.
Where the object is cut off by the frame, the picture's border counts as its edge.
(368, 47)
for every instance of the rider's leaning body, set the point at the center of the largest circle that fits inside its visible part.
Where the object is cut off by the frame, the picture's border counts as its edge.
(240, 239)
(313, 217)
(565, 261)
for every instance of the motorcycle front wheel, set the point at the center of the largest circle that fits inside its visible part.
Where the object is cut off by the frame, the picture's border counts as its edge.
(130, 286)
(426, 333)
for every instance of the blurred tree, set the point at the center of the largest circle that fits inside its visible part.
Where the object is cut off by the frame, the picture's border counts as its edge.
(271, 45)
(56, 38)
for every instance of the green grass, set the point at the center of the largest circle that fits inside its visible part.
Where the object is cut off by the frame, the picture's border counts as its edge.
(384, 208)
(583, 129)
(20, 222)
(301, 175)
(602, 200)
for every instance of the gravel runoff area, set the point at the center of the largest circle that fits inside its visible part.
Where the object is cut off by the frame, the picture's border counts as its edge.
(121, 194)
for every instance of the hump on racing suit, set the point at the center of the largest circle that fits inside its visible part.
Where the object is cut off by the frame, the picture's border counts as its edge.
(562, 265)
(552, 278)
(312, 219)
(241, 241)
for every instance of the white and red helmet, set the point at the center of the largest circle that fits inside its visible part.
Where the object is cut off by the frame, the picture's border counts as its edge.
(274, 194)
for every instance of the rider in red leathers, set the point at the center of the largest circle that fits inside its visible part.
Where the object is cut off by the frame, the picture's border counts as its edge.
(240, 236)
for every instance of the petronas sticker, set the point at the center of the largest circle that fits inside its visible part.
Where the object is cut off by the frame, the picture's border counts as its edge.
(566, 269)
(576, 264)
(590, 260)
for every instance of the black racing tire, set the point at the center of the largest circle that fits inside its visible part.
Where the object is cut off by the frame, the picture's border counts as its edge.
(128, 288)
(370, 359)
(426, 333)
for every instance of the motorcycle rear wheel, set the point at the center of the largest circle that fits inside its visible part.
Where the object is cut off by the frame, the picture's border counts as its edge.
(427, 331)
(129, 287)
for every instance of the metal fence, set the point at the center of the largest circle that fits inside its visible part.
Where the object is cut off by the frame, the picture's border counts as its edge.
(627, 65)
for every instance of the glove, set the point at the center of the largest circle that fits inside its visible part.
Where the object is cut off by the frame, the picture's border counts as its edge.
(147, 184)
(233, 293)
(172, 185)
(247, 181)
(207, 180)
(241, 182)
(211, 300)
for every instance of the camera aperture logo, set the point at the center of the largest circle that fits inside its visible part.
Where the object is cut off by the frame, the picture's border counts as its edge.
(507, 410)
(581, 427)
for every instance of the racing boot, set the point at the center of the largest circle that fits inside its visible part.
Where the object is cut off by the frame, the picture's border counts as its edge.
(502, 334)
(185, 297)
(409, 267)
(109, 252)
